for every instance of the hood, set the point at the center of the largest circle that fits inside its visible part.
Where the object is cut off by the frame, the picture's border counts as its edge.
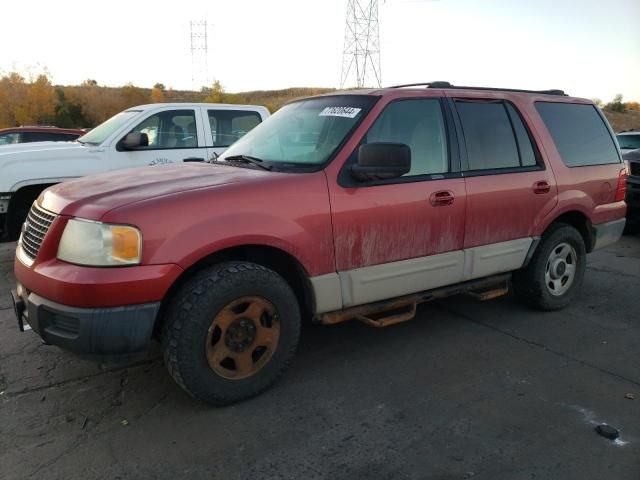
(31, 147)
(91, 197)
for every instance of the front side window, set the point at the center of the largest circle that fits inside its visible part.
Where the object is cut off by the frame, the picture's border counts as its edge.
(418, 123)
(227, 126)
(579, 132)
(169, 130)
(488, 135)
(304, 133)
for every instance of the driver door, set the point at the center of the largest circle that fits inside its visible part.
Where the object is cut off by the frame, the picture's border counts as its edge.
(174, 136)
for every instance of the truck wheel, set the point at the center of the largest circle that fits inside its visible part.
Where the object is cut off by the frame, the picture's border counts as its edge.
(555, 273)
(230, 332)
(632, 226)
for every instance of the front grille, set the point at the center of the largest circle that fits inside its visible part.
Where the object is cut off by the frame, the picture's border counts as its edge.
(635, 168)
(34, 230)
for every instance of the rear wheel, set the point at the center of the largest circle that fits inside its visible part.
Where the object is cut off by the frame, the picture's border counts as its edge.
(230, 332)
(555, 273)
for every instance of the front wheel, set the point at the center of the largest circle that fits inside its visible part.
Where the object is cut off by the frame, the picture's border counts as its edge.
(555, 273)
(230, 332)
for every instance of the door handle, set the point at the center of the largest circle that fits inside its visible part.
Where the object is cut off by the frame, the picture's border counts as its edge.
(541, 187)
(442, 198)
(193, 159)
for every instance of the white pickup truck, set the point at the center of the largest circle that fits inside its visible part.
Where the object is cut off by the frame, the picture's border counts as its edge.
(145, 135)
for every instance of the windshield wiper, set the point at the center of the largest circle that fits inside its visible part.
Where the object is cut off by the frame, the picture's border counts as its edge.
(247, 159)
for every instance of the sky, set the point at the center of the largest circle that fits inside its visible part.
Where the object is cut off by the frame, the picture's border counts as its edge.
(589, 48)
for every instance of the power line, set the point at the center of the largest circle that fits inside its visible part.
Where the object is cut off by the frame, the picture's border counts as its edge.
(361, 54)
(199, 54)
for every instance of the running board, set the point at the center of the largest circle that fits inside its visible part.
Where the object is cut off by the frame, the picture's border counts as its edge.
(402, 309)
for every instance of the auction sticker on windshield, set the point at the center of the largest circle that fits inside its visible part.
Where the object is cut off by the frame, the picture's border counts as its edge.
(347, 112)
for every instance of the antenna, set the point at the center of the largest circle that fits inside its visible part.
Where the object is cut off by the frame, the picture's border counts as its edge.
(361, 54)
(199, 54)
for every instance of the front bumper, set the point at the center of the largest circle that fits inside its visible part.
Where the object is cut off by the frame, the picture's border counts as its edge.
(104, 332)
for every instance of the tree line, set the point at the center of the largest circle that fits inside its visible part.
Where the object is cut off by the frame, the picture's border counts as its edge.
(36, 101)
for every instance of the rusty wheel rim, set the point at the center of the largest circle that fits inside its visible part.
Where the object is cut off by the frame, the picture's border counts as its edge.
(243, 337)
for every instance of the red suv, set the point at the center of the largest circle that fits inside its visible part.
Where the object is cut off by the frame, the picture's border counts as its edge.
(355, 205)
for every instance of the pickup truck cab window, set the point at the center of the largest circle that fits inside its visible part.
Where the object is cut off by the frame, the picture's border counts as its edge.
(170, 130)
(227, 126)
(304, 133)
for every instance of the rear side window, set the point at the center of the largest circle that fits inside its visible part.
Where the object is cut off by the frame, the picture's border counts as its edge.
(494, 135)
(227, 126)
(579, 132)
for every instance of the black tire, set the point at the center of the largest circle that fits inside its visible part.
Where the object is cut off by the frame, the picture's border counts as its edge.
(632, 227)
(188, 321)
(529, 284)
(16, 216)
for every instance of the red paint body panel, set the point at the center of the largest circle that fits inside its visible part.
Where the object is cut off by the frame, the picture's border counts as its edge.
(187, 212)
(387, 223)
(79, 286)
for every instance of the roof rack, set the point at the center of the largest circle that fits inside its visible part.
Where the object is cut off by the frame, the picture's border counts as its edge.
(441, 84)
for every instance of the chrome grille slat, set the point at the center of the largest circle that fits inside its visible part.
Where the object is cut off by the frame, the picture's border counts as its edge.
(36, 227)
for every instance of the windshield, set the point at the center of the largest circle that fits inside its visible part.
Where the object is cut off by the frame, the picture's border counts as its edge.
(629, 141)
(106, 129)
(304, 133)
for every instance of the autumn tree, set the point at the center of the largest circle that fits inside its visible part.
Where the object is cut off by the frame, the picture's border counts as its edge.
(157, 93)
(13, 91)
(616, 105)
(39, 104)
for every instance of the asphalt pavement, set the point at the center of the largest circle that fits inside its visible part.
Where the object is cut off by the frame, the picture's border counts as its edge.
(482, 390)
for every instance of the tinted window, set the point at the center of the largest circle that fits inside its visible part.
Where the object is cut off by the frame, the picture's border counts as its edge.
(580, 134)
(629, 141)
(525, 147)
(488, 135)
(9, 138)
(47, 137)
(227, 126)
(418, 124)
(171, 129)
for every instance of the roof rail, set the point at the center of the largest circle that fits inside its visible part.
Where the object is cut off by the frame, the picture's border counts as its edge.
(441, 84)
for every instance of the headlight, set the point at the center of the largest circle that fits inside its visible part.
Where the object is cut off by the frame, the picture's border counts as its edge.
(100, 244)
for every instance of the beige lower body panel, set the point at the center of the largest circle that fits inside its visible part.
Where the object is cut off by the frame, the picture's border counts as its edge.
(340, 290)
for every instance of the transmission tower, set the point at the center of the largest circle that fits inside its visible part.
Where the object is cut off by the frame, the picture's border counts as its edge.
(199, 54)
(361, 55)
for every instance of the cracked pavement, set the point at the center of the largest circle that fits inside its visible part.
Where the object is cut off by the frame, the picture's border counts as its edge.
(467, 390)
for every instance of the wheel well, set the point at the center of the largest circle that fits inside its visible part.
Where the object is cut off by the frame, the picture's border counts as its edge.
(28, 192)
(19, 206)
(273, 258)
(581, 223)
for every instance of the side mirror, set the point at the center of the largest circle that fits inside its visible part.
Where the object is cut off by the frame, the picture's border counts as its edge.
(135, 140)
(381, 161)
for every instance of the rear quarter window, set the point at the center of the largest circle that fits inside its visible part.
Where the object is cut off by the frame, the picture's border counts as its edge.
(580, 133)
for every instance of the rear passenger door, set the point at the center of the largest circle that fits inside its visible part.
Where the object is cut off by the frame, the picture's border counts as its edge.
(174, 136)
(225, 126)
(509, 189)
